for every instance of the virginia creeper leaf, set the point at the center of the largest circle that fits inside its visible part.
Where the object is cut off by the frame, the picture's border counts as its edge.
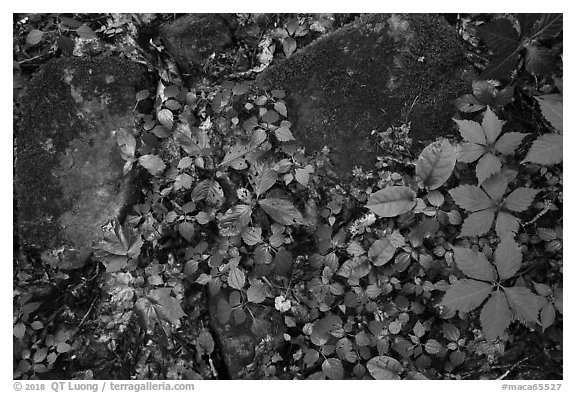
(496, 185)
(495, 316)
(506, 223)
(509, 142)
(546, 150)
(471, 131)
(551, 106)
(469, 152)
(474, 264)
(478, 223)
(487, 166)
(520, 199)
(507, 257)
(471, 198)
(492, 126)
(523, 302)
(465, 295)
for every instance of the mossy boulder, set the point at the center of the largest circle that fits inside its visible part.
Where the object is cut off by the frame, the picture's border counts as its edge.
(379, 71)
(69, 176)
(191, 39)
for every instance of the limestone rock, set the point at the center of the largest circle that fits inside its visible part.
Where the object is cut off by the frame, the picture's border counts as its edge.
(192, 38)
(379, 71)
(69, 172)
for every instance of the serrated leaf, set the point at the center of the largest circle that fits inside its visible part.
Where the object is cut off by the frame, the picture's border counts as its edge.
(166, 118)
(333, 368)
(469, 152)
(252, 235)
(497, 184)
(257, 292)
(381, 252)
(538, 60)
(546, 150)
(495, 316)
(197, 145)
(209, 190)
(468, 103)
(392, 201)
(271, 116)
(19, 330)
(152, 163)
(345, 350)
(183, 181)
(280, 107)
(281, 211)
(236, 278)
(492, 126)
(283, 134)
(506, 224)
(384, 368)
(478, 223)
(235, 220)
(223, 311)
(487, 166)
(520, 199)
(551, 106)
(471, 131)
(550, 25)
(265, 181)
(559, 299)
(474, 264)
(436, 163)
(433, 347)
(503, 39)
(523, 302)
(310, 357)
(302, 176)
(471, 198)
(508, 258)
(509, 142)
(466, 295)
(118, 245)
(34, 37)
(289, 46)
(186, 229)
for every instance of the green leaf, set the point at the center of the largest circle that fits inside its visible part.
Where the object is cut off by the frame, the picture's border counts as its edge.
(271, 116)
(34, 37)
(236, 278)
(310, 357)
(19, 330)
(333, 368)
(523, 302)
(119, 244)
(478, 223)
(506, 224)
(381, 252)
(161, 305)
(436, 163)
(497, 184)
(280, 107)
(549, 26)
(209, 190)
(264, 181)
(487, 166)
(466, 295)
(468, 103)
(166, 118)
(474, 264)
(559, 299)
(86, 32)
(471, 198)
(551, 106)
(257, 292)
(547, 316)
(252, 235)
(546, 150)
(492, 126)
(65, 44)
(281, 211)
(471, 131)
(302, 176)
(495, 316)
(289, 46)
(509, 142)
(520, 199)
(469, 152)
(186, 229)
(503, 39)
(392, 201)
(183, 181)
(345, 350)
(205, 343)
(235, 220)
(538, 60)
(283, 262)
(152, 163)
(384, 368)
(433, 347)
(508, 258)
(283, 133)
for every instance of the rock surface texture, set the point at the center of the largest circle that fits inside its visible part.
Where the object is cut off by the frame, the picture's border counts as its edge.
(69, 172)
(379, 71)
(191, 39)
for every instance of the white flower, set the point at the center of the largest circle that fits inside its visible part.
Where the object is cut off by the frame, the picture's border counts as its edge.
(282, 304)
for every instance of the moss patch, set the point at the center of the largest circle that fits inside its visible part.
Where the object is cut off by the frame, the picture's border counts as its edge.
(380, 71)
(68, 170)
